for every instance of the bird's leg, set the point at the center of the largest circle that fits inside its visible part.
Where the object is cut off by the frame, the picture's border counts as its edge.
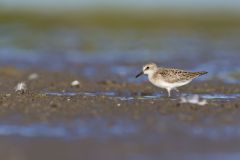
(169, 92)
(176, 90)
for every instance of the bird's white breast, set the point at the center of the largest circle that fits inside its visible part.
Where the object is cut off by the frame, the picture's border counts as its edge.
(163, 84)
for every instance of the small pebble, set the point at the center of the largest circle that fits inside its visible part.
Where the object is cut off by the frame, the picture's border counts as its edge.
(236, 105)
(53, 105)
(152, 102)
(178, 104)
(8, 95)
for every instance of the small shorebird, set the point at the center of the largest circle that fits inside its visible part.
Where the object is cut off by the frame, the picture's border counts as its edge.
(168, 78)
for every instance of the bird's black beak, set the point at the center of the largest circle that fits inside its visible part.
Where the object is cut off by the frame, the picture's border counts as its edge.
(141, 73)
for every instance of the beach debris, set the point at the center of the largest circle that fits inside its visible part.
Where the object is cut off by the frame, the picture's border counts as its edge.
(21, 87)
(193, 99)
(7, 95)
(33, 76)
(75, 83)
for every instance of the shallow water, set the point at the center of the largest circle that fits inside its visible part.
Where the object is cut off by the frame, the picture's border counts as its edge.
(128, 131)
(78, 129)
(90, 52)
(101, 128)
(141, 96)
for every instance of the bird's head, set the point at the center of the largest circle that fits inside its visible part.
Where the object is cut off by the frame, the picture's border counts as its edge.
(147, 69)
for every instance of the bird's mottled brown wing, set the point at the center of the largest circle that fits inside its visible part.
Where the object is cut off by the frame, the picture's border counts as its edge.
(175, 75)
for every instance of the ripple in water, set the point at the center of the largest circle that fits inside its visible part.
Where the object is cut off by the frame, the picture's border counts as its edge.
(78, 129)
(139, 95)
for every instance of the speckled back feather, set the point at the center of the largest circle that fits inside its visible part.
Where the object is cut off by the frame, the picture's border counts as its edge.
(171, 75)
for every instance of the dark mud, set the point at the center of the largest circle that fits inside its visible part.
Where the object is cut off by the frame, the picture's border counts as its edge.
(108, 119)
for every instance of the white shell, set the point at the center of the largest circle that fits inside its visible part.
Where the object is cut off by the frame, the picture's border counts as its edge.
(21, 87)
(75, 83)
(33, 76)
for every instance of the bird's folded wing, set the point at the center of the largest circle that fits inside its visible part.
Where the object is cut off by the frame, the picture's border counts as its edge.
(176, 75)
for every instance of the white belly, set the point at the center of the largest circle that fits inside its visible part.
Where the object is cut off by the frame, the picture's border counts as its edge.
(163, 84)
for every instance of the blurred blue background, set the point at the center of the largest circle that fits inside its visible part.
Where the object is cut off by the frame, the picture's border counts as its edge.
(201, 35)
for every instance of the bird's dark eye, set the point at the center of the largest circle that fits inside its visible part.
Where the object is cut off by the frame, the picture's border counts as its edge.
(147, 68)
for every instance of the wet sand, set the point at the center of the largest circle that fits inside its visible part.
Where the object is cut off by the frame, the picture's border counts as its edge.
(114, 119)
(52, 92)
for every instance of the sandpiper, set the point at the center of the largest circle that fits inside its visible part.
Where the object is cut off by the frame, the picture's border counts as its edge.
(168, 78)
